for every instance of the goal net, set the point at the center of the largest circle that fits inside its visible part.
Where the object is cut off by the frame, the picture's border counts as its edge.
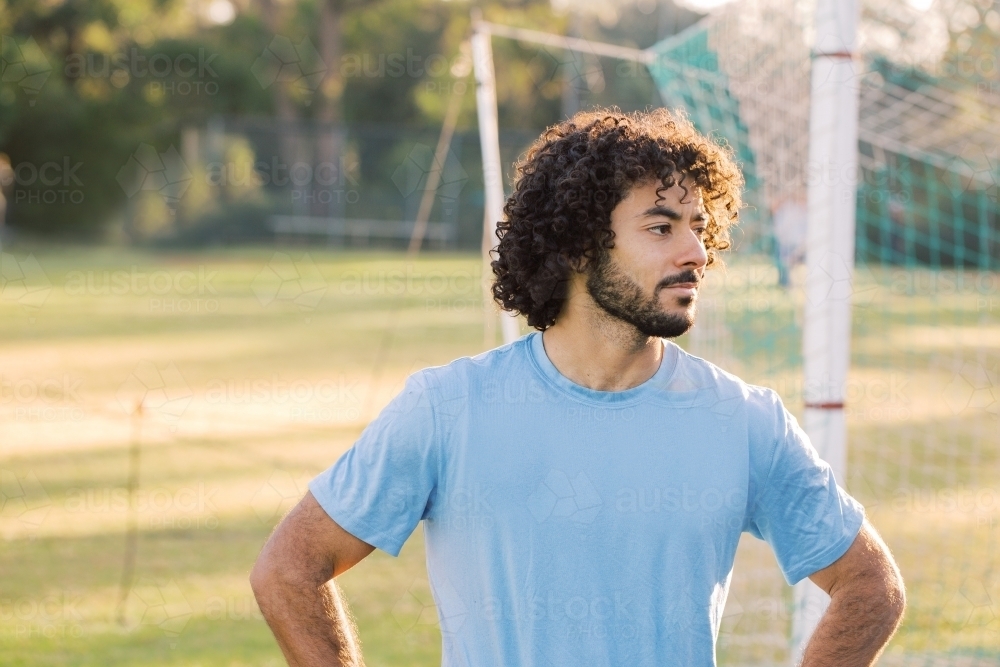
(923, 394)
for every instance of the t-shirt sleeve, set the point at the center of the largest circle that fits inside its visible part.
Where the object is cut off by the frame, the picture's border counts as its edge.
(800, 510)
(382, 487)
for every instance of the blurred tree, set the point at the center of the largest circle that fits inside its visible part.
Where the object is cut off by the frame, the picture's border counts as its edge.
(329, 107)
(86, 84)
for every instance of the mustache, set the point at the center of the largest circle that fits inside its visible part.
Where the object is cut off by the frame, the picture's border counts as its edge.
(683, 277)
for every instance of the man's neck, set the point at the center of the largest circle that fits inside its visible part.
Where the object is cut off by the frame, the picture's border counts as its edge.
(599, 352)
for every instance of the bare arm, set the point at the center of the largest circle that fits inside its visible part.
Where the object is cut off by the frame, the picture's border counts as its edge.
(867, 600)
(293, 583)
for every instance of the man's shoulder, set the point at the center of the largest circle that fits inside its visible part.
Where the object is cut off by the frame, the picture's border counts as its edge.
(760, 408)
(697, 373)
(466, 374)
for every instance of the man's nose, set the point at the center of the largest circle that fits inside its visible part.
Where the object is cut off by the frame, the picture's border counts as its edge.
(693, 255)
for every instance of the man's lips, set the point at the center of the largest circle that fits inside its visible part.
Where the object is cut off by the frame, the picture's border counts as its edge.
(684, 289)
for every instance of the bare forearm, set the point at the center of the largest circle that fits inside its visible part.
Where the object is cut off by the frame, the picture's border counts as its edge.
(855, 628)
(311, 623)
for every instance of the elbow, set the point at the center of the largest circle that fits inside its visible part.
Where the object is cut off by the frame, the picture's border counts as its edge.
(262, 577)
(889, 604)
(276, 576)
(896, 595)
(879, 599)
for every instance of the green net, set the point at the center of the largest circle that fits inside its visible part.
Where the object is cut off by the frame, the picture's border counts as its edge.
(923, 395)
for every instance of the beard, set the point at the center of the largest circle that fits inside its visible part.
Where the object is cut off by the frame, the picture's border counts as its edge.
(623, 299)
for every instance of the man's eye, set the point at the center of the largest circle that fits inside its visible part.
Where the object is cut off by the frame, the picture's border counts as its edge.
(701, 231)
(665, 229)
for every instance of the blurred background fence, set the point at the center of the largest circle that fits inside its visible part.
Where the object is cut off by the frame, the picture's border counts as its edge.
(251, 181)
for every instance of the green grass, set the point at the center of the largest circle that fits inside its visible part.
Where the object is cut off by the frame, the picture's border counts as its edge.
(220, 464)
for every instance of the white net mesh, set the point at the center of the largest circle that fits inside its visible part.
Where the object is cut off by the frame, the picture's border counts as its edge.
(923, 395)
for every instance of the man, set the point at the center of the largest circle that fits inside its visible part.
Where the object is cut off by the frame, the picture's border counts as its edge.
(583, 489)
(790, 218)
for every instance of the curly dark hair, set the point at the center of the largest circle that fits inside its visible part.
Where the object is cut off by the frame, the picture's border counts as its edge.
(575, 174)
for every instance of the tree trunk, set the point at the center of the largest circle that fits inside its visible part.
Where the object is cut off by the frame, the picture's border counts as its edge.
(287, 127)
(329, 144)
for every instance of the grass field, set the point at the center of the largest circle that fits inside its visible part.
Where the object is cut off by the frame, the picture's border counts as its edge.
(256, 370)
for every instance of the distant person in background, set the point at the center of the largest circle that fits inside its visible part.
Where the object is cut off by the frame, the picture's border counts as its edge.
(583, 489)
(6, 179)
(790, 225)
(897, 228)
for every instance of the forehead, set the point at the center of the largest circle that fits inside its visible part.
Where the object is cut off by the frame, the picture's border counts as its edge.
(680, 197)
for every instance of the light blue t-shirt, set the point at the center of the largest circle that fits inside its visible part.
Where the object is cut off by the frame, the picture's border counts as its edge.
(567, 526)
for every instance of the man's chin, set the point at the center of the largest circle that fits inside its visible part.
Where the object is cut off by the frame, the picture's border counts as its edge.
(678, 324)
(684, 312)
(675, 332)
(674, 303)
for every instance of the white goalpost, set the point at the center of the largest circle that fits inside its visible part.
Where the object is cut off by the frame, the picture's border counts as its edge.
(826, 325)
(489, 138)
(489, 134)
(832, 145)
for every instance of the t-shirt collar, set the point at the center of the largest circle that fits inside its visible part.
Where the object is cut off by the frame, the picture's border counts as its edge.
(657, 383)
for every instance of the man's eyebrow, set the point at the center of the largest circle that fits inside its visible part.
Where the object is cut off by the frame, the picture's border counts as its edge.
(663, 211)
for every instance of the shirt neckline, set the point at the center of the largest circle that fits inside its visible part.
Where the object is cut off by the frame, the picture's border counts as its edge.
(655, 384)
